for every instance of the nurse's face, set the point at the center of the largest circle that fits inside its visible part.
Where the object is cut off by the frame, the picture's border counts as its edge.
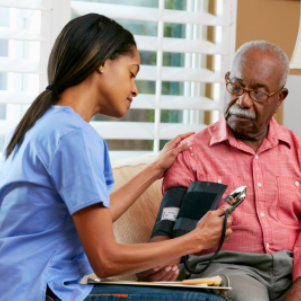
(118, 87)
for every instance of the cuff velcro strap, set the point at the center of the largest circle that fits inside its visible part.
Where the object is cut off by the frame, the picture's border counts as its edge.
(168, 213)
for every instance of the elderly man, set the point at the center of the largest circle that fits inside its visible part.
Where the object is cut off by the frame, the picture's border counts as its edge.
(246, 146)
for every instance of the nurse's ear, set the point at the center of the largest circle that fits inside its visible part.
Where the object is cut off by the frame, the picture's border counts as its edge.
(100, 69)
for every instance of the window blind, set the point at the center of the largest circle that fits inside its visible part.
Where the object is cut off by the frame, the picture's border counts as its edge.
(27, 32)
(176, 36)
(185, 47)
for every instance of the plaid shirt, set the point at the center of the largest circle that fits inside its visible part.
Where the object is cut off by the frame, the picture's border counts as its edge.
(268, 219)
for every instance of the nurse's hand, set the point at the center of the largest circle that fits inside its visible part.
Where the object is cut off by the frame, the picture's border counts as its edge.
(170, 151)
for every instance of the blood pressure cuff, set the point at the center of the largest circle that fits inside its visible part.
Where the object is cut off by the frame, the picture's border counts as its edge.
(182, 208)
(198, 200)
(170, 207)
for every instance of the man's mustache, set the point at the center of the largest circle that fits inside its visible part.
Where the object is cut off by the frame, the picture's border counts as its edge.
(236, 110)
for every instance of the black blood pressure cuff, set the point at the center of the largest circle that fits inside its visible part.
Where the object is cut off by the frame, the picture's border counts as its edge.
(197, 201)
(169, 210)
(182, 207)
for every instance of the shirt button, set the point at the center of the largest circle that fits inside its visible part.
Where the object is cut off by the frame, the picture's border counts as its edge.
(219, 181)
(262, 214)
(259, 184)
(256, 157)
(268, 245)
(297, 183)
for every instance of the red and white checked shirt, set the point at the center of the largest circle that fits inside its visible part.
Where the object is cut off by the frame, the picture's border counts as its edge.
(269, 218)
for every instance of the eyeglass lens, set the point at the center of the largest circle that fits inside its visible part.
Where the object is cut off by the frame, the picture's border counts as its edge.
(238, 91)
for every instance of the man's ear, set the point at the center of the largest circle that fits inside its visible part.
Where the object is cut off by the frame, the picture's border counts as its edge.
(283, 94)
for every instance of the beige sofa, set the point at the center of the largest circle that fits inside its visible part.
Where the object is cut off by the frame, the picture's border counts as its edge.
(136, 224)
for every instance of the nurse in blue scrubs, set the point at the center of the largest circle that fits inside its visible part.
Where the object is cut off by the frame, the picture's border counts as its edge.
(56, 205)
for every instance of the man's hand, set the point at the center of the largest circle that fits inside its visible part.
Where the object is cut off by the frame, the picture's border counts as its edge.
(163, 273)
(167, 272)
(294, 294)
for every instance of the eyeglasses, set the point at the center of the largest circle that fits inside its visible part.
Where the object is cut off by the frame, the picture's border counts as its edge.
(256, 95)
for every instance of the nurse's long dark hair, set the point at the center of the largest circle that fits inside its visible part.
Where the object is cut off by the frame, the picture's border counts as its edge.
(81, 48)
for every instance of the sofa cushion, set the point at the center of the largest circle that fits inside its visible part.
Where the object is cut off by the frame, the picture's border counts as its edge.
(136, 224)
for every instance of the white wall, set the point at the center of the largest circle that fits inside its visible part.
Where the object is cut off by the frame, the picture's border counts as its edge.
(292, 104)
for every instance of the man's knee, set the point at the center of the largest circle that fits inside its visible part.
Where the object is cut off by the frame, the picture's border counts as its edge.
(246, 288)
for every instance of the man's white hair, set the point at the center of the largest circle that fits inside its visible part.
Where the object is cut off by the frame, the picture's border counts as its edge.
(263, 46)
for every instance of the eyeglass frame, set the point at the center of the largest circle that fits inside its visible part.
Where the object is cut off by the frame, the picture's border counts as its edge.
(246, 90)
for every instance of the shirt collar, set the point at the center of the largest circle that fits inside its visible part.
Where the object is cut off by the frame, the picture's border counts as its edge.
(278, 134)
(220, 132)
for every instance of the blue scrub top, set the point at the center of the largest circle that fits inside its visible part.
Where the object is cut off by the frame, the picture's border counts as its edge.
(61, 166)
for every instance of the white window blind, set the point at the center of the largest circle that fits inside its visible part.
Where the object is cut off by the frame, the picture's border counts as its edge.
(176, 82)
(185, 48)
(27, 32)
